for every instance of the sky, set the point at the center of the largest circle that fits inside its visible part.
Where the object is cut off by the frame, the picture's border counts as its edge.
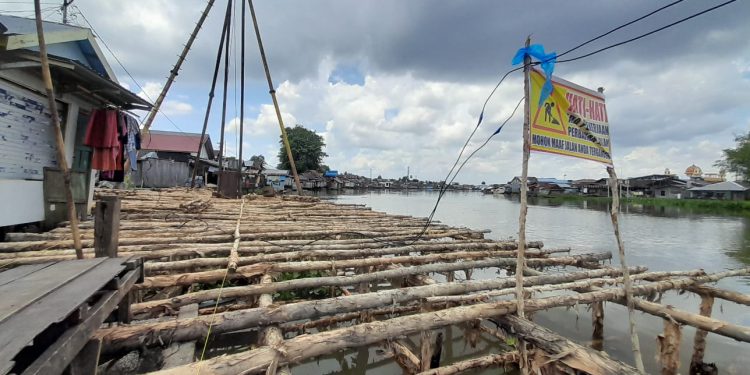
(394, 85)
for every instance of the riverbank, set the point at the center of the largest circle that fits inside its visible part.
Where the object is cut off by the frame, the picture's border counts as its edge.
(709, 206)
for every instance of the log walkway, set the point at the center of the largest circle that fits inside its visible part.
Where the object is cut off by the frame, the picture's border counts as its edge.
(273, 282)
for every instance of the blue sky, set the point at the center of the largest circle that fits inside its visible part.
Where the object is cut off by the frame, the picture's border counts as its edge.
(391, 84)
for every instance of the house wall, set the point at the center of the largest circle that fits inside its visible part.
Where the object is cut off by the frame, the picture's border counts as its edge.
(24, 190)
(159, 173)
(669, 193)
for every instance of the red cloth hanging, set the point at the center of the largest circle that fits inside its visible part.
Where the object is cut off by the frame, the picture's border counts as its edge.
(102, 136)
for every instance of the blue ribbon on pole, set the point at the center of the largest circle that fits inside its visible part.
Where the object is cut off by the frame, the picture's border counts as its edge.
(547, 62)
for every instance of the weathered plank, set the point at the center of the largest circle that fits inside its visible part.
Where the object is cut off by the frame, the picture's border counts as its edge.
(30, 288)
(181, 353)
(18, 272)
(20, 329)
(73, 340)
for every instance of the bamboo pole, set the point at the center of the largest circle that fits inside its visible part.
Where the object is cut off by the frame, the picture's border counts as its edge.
(191, 329)
(636, 346)
(176, 69)
(728, 295)
(272, 91)
(55, 118)
(234, 256)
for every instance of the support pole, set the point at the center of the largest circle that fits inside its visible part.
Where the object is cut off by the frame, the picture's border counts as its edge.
(597, 320)
(636, 346)
(669, 348)
(210, 95)
(521, 258)
(176, 70)
(224, 98)
(61, 159)
(242, 94)
(699, 342)
(272, 91)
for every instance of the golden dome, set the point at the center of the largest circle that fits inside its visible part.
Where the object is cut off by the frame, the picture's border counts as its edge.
(693, 171)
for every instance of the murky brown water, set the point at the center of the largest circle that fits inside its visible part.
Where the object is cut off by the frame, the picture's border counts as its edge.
(661, 238)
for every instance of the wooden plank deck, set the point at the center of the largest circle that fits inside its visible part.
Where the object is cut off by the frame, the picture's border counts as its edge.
(49, 311)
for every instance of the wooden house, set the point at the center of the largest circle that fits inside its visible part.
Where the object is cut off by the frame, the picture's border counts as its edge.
(30, 179)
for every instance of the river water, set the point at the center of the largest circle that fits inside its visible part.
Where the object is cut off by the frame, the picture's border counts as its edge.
(660, 238)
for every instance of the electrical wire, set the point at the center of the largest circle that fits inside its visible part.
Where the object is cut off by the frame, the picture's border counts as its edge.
(649, 33)
(125, 69)
(620, 27)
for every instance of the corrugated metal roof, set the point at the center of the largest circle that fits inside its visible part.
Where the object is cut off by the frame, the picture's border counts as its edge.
(172, 141)
(721, 186)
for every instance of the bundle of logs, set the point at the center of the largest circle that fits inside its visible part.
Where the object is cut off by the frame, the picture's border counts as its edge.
(308, 278)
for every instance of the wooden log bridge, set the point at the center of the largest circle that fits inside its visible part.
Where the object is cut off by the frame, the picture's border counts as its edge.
(260, 285)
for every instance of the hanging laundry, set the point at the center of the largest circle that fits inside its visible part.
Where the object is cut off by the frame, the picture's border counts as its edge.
(133, 142)
(102, 136)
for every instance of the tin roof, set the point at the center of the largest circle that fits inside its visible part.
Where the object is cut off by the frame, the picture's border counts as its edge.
(175, 142)
(722, 186)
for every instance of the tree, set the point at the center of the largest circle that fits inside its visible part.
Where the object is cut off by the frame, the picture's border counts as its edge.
(737, 160)
(258, 162)
(307, 149)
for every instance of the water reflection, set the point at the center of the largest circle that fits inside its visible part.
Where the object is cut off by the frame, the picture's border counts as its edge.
(660, 238)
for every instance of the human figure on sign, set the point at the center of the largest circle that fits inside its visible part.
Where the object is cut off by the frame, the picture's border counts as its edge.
(548, 113)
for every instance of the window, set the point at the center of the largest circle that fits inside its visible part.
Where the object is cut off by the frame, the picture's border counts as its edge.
(663, 193)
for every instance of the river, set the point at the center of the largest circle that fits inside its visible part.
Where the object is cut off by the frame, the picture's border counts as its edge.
(660, 238)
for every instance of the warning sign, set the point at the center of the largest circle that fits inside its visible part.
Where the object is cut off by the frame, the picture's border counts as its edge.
(572, 121)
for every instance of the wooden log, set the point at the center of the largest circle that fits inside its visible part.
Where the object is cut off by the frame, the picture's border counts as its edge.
(668, 344)
(234, 256)
(260, 268)
(737, 332)
(487, 361)
(742, 299)
(120, 338)
(308, 346)
(243, 291)
(404, 356)
(699, 342)
(580, 358)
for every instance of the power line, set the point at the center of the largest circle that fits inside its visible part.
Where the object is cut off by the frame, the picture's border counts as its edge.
(620, 27)
(649, 33)
(123, 67)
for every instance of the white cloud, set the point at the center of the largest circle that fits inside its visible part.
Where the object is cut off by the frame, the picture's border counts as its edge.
(151, 90)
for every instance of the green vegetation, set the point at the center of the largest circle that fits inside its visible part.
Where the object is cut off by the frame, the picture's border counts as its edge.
(698, 205)
(737, 160)
(307, 150)
(309, 293)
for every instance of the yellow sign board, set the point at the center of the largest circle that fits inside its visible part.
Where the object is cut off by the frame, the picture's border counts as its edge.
(572, 121)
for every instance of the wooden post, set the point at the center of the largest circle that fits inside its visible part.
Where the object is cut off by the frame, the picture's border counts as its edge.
(437, 350)
(106, 227)
(173, 73)
(425, 350)
(699, 342)
(521, 256)
(521, 259)
(272, 91)
(669, 348)
(628, 283)
(597, 320)
(61, 158)
(85, 362)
